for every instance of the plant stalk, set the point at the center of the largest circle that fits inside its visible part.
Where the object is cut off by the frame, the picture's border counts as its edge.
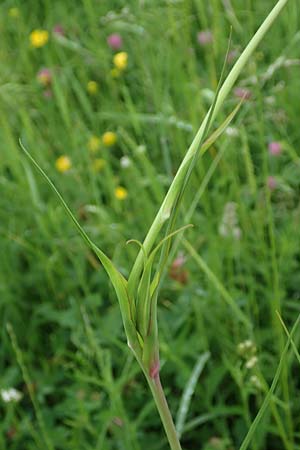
(165, 209)
(164, 412)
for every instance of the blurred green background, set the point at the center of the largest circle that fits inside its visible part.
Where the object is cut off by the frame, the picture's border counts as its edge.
(107, 96)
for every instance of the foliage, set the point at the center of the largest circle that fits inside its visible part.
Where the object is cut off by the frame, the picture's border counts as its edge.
(82, 388)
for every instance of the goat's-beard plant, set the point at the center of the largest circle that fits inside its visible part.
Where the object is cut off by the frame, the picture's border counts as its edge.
(137, 296)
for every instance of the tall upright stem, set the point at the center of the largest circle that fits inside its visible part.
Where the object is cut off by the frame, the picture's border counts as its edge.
(164, 412)
(165, 209)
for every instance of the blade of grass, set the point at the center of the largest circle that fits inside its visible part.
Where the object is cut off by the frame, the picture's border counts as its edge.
(289, 336)
(146, 288)
(117, 279)
(170, 198)
(216, 283)
(19, 355)
(206, 145)
(175, 208)
(220, 130)
(218, 412)
(188, 392)
(265, 404)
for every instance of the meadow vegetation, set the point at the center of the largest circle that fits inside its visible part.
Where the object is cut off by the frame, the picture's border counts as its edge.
(107, 96)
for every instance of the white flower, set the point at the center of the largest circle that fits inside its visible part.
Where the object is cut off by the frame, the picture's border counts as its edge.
(229, 223)
(254, 380)
(11, 395)
(232, 131)
(125, 162)
(248, 344)
(251, 362)
(246, 347)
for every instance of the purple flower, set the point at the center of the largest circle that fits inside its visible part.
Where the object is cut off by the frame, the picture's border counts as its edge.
(115, 41)
(271, 183)
(179, 261)
(44, 76)
(232, 56)
(58, 29)
(274, 148)
(241, 92)
(205, 37)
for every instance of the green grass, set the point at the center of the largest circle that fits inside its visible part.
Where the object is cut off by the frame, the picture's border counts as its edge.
(66, 350)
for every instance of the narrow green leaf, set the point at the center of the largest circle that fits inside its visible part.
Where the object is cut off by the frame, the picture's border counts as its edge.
(220, 130)
(166, 207)
(294, 347)
(135, 241)
(265, 404)
(188, 392)
(67, 209)
(116, 278)
(218, 285)
(219, 411)
(146, 289)
(31, 391)
(206, 145)
(190, 167)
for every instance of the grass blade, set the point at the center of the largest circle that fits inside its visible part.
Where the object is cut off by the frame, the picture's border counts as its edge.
(218, 285)
(116, 278)
(289, 336)
(166, 207)
(187, 175)
(268, 397)
(188, 392)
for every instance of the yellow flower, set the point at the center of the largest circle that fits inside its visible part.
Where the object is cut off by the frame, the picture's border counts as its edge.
(63, 163)
(109, 138)
(121, 193)
(121, 60)
(98, 164)
(14, 12)
(92, 87)
(94, 144)
(39, 38)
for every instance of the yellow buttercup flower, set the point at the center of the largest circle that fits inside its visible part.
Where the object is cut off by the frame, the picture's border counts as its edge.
(39, 38)
(98, 164)
(94, 144)
(109, 138)
(14, 12)
(63, 164)
(121, 193)
(92, 87)
(121, 60)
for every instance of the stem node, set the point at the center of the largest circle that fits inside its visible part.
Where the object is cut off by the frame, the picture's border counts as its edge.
(154, 370)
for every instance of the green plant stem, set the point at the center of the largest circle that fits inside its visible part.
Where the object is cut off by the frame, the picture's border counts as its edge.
(164, 412)
(164, 212)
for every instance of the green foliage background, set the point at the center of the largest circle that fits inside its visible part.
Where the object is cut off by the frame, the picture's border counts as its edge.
(82, 389)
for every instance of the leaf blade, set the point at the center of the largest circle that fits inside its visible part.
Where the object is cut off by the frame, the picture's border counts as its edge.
(118, 281)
